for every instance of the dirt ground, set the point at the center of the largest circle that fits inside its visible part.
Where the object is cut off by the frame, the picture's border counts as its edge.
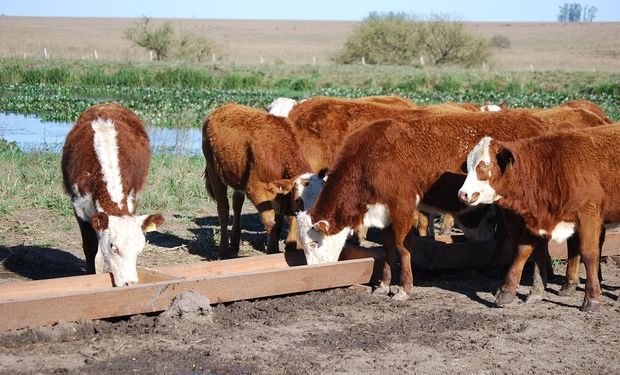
(450, 325)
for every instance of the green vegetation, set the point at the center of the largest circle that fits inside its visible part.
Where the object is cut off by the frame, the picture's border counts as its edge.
(34, 181)
(399, 39)
(174, 95)
(499, 41)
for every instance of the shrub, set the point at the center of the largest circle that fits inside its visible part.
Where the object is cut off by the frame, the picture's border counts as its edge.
(395, 38)
(158, 40)
(499, 42)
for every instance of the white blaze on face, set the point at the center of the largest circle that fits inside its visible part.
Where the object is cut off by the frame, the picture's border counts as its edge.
(319, 247)
(308, 187)
(119, 245)
(106, 149)
(478, 191)
(281, 106)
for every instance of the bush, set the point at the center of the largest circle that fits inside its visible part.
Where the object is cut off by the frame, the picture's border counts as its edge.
(395, 38)
(499, 42)
(382, 39)
(158, 40)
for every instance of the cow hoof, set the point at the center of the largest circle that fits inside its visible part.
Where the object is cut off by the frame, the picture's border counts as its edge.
(534, 297)
(567, 290)
(503, 299)
(401, 296)
(381, 290)
(590, 305)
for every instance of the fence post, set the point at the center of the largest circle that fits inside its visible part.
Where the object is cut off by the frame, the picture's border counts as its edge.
(45, 53)
(151, 55)
(96, 56)
(363, 61)
(422, 60)
(213, 59)
(314, 60)
(531, 67)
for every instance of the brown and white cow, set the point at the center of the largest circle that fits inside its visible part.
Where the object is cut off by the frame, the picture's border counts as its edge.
(105, 161)
(383, 172)
(248, 150)
(558, 183)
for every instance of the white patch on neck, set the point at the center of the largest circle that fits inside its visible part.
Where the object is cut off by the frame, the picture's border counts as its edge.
(377, 216)
(562, 231)
(83, 206)
(106, 149)
(131, 201)
(490, 108)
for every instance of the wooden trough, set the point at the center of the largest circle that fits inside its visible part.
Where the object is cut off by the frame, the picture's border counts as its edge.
(43, 302)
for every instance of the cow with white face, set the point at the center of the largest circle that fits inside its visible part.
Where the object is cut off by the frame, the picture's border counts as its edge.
(558, 184)
(281, 106)
(104, 165)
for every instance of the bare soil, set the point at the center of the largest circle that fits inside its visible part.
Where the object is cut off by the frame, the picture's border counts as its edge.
(449, 326)
(537, 46)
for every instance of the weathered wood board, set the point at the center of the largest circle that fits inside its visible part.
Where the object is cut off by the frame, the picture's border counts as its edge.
(43, 302)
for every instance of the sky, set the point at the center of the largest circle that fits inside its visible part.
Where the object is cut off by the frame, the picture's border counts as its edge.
(469, 10)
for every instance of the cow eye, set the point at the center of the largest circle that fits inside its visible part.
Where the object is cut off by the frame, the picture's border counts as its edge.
(115, 249)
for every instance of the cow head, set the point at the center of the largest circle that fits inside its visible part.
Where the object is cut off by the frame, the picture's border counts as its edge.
(303, 190)
(319, 245)
(281, 107)
(485, 164)
(121, 239)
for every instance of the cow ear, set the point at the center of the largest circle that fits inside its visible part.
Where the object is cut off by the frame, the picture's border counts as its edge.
(283, 186)
(99, 221)
(323, 174)
(322, 226)
(149, 223)
(505, 160)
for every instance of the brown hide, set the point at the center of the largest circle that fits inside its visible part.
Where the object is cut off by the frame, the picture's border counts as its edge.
(588, 105)
(569, 169)
(79, 161)
(391, 100)
(323, 123)
(391, 162)
(558, 118)
(249, 147)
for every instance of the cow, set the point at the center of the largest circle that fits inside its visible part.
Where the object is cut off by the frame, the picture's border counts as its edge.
(559, 183)
(381, 176)
(281, 106)
(585, 104)
(249, 149)
(105, 161)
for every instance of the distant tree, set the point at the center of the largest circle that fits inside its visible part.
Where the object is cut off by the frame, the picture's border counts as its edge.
(572, 12)
(591, 13)
(156, 39)
(445, 42)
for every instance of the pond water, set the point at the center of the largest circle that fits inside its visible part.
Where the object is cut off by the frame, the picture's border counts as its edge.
(32, 134)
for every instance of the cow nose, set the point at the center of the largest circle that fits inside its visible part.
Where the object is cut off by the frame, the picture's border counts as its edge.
(463, 196)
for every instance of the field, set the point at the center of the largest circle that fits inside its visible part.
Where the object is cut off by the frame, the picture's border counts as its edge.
(449, 326)
(545, 46)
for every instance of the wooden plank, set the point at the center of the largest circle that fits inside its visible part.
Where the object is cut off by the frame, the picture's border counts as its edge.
(49, 307)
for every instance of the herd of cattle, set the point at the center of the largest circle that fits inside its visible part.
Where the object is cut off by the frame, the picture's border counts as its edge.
(334, 166)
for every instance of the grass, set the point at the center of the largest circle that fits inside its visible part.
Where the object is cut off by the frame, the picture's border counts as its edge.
(34, 180)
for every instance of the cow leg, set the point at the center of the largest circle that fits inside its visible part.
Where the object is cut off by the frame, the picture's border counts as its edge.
(447, 224)
(540, 272)
(388, 265)
(235, 237)
(572, 266)
(589, 238)
(272, 222)
(423, 224)
(90, 244)
(274, 235)
(401, 228)
(219, 192)
(292, 239)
